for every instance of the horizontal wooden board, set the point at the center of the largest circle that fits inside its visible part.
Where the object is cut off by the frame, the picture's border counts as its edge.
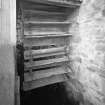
(63, 3)
(44, 51)
(35, 11)
(43, 67)
(47, 35)
(44, 55)
(44, 33)
(56, 41)
(33, 30)
(27, 4)
(43, 16)
(30, 76)
(47, 26)
(45, 22)
(46, 63)
(44, 81)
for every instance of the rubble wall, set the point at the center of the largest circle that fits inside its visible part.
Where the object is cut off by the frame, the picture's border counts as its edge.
(87, 81)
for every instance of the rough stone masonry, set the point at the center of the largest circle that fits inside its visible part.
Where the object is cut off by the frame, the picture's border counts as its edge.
(87, 83)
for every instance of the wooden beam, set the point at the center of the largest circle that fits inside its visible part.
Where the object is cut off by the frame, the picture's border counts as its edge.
(47, 35)
(44, 55)
(27, 11)
(45, 22)
(47, 41)
(44, 51)
(62, 3)
(34, 32)
(47, 63)
(30, 76)
(44, 81)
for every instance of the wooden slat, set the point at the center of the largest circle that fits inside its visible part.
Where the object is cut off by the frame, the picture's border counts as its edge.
(43, 67)
(41, 33)
(30, 76)
(45, 22)
(39, 29)
(32, 29)
(63, 3)
(30, 24)
(44, 17)
(57, 41)
(39, 6)
(44, 55)
(44, 51)
(44, 81)
(46, 63)
(47, 35)
(30, 11)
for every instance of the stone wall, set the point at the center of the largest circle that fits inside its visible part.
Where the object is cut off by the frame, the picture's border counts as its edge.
(87, 81)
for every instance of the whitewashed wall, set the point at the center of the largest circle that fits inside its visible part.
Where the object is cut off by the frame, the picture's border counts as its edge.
(88, 54)
(7, 44)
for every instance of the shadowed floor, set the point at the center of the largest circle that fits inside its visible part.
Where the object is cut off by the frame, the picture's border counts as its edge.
(48, 95)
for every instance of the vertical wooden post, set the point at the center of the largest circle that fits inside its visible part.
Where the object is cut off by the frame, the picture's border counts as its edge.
(7, 45)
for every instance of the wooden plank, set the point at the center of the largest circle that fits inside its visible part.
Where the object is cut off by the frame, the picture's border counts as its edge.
(30, 24)
(39, 6)
(63, 3)
(30, 76)
(44, 55)
(44, 81)
(48, 62)
(45, 18)
(47, 35)
(43, 67)
(44, 51)
(36, 17)
(33, 29)
(29, 32)
(45, 22)
(30, 11)
(55, 41)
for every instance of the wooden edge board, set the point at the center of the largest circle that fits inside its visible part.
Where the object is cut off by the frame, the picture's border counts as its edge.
(44, 51)
(25, 11)
(45, 62)
(26, 33)
(44, 55)
(45, 22)
(30, 76)
(47, 35)
(36, 68)
(57, 3)
(44, 81)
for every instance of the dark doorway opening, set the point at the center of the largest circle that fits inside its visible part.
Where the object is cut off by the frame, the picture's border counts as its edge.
(49, 95)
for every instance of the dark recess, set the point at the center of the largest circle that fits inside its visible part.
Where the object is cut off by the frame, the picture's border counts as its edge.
(49, 95)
